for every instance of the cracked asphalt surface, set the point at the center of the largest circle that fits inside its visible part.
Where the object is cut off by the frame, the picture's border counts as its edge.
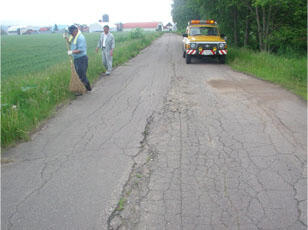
(194, 146)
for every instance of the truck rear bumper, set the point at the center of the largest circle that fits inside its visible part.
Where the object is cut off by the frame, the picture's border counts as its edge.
(207, 52)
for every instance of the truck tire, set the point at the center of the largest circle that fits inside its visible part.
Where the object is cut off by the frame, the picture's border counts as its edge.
(188, 59)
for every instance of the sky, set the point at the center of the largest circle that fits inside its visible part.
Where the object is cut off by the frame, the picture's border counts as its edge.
(66, 12)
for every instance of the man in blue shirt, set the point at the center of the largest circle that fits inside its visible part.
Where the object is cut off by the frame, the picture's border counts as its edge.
(78, 49)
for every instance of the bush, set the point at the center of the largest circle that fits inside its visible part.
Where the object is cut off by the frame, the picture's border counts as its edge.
(137, 33)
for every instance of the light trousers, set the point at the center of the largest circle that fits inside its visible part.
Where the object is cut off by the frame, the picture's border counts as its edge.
(107, 60)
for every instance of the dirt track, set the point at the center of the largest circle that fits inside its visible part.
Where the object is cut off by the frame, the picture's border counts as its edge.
(194, 146)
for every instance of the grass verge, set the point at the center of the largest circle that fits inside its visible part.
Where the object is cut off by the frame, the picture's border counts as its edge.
(29, 99)
(290, 73)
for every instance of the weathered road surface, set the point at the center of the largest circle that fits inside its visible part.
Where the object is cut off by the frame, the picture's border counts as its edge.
(182, 146)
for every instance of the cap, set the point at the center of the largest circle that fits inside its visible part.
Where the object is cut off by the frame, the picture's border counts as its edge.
(71, 29)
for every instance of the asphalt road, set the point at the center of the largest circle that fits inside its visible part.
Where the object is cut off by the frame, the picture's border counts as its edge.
(181, 146)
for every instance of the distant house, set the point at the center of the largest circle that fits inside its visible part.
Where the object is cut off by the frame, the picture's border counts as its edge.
(168, 27)
(146, 26)
(84, 28)
(15, 30)
(21, 30)
(45, 30)
(96, 27)
(29, 30)
(99, 26)
(174, 28)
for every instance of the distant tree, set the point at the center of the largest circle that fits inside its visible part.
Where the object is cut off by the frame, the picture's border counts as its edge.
(55, 28)
(183, 11)
(3, 31)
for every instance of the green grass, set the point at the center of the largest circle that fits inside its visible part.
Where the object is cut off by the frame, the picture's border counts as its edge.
(121, 204)
(23, 55)
(138, 175)
(290, 73)
(36, 75)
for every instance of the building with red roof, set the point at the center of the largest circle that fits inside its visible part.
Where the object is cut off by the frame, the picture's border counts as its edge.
(146, 26)
(45, 29)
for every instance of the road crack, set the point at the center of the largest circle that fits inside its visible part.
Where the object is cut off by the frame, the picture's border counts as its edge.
(127, 212)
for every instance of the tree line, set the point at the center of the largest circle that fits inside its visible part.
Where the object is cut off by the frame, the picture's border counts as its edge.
(278, 26)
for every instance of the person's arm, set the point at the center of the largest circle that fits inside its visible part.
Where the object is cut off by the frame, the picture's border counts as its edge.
(99, 44)
(71, 52)
(113, 42)
(65, 36)
(76, 51)
(112, 45)
(81, 46)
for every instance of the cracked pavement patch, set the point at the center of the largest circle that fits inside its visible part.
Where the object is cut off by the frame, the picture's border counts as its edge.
(127, 211)
(70, 175)
(164, 145)
(226, 154)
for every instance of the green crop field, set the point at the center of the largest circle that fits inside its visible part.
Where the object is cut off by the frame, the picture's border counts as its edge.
(22, 55)
(35, 73)
(29, 54)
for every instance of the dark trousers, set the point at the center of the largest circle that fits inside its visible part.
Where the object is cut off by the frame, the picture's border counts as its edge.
(81, 67)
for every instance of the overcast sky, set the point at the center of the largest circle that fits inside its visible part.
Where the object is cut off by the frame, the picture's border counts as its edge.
(42, 12)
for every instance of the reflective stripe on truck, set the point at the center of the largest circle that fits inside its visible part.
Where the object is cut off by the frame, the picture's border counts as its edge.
(222, 52)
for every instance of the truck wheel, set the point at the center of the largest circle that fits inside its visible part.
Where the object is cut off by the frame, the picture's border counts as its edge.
(222, 59)
(188, 59)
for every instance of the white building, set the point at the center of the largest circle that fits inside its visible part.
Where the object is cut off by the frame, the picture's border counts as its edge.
(99, 27)
(15, 30)
(21, 30)
(96, 27)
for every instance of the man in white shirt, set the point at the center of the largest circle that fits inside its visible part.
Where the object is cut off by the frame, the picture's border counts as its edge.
(107, 44)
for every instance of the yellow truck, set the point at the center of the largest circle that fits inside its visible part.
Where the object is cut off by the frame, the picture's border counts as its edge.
(202, 38)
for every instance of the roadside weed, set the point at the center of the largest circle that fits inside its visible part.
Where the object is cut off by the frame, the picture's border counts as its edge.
(121, 204)
(290, 73)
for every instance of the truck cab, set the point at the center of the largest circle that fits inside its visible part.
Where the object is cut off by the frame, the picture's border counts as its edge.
(202, 38)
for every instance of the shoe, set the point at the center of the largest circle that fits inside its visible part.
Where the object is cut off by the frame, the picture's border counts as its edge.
(107, 73)
(88, 87)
